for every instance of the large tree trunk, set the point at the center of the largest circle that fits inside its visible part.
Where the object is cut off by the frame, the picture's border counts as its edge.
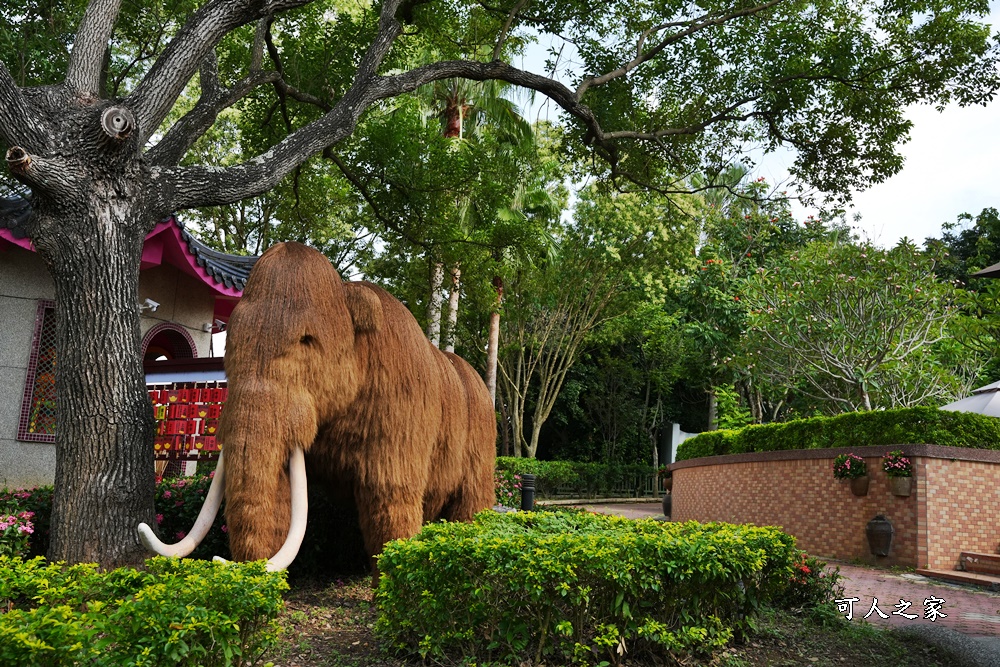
(91, 208)
(104, 479)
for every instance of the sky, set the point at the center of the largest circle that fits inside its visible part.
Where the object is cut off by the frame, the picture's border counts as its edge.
(948, 171)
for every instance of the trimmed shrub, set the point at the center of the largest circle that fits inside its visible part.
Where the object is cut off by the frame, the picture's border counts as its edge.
(578, 479)
(576, 588)
(913, 426)
(177, 612)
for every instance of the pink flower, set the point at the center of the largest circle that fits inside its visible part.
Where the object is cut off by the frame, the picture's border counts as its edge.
(159, 519)
(167, 494)
(225, 528)
(181, 534)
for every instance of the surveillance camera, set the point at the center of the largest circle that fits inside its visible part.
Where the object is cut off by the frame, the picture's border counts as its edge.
(149, 305)
(220, 325)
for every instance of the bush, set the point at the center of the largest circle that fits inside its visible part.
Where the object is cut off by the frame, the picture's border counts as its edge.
(576, 588)
(178, 501)
(811, 586)
(177, 612)
(855, 429)
(38, 503)
(579, 479)
(508, 488)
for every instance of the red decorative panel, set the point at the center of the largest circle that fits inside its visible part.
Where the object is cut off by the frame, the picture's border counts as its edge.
(38, 408)
(187, 414)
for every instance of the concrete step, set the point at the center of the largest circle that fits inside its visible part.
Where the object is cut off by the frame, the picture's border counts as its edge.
(971, 561)
(987, 581)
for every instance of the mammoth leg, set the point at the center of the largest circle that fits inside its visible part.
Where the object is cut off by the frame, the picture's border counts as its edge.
(386, 515)
(472, 497)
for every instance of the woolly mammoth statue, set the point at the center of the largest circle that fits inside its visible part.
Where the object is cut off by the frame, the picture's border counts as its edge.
(338, 378)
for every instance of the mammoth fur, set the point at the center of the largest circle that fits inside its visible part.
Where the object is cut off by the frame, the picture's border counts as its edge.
(342, 371)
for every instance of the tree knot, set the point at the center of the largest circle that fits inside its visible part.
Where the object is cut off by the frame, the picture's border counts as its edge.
(117, 122)
(17, 159)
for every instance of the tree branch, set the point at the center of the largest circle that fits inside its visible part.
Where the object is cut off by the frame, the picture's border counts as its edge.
(83, 76)
(214, 99)
(153, 98)
(707, 21)
(204, 186)
(20, 123)
(52, 176)
(506, 28)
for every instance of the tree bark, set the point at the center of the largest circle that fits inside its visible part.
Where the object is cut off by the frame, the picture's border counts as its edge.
(453, 295)
(493, 344)
(91, 208)
(104, 482)
(434, 305)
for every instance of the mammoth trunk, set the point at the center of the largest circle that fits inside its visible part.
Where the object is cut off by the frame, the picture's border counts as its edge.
(259, 444)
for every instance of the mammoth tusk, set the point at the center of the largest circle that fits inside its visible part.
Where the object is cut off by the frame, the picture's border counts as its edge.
(201, 525)
(300, 510)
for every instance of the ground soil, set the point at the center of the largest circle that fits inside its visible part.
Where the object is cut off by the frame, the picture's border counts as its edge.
(331, 625)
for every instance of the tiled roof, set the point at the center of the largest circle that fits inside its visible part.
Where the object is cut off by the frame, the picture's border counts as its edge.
(225, 269)
(230, 270)
(14, 212)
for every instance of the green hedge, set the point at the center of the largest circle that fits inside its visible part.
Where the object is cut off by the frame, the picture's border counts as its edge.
(855, 429)
(580, 479)
(576, 588)
(176, 612)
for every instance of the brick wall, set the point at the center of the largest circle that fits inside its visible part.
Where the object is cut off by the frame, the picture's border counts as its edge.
(962, 509)
(954, 504)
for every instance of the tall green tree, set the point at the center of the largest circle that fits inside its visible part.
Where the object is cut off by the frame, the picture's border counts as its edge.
(663, 89)
(743, 226)
(855, 327)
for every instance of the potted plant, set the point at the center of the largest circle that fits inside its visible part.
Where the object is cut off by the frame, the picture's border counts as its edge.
(666, 477)
(852, 467)
(899, 468)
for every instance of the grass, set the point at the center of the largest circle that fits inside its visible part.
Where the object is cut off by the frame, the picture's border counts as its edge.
(331, 626)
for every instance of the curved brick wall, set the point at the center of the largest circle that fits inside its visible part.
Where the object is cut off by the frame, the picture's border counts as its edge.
(954, 505)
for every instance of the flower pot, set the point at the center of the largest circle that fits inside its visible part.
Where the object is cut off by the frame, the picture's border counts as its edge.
(859, 485)
(900, 486)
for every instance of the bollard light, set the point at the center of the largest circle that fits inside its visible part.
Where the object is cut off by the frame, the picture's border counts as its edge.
(527, 493)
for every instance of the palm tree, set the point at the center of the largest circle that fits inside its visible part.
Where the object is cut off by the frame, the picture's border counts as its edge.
(466, 110)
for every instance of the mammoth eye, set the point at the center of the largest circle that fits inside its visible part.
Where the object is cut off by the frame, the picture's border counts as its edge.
(307, 340)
